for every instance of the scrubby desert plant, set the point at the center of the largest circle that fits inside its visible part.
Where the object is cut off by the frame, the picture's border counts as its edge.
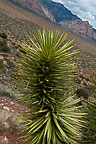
(5, 48)
(44, 80)
(2, 67)
(3, 35)
(82, 93)
(6, 90)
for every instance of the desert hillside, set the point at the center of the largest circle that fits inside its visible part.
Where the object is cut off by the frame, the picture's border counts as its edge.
(17, 13)
(59, 14)
(15, 24)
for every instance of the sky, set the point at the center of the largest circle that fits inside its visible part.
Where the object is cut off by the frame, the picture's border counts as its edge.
(84, 9)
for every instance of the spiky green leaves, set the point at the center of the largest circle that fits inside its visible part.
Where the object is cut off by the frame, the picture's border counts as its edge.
(45, 75)
(94, 78)
(55, 127)
(89, 131)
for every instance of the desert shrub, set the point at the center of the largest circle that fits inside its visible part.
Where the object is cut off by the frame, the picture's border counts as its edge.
(88, 79)
(6, 90)
(82, 93)
(81, 76)
(5, 48)
(2, 67)
(94, 78)
(45, 74)
(3, 42)
(14, 45)
(3, 35)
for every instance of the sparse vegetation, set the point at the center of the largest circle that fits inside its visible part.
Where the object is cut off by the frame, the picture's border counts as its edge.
(89, 131)
(15, 30)
(3, 35)
(6, 90)
(2, 67)
(94, 78)
(5, 48)
(82, 93)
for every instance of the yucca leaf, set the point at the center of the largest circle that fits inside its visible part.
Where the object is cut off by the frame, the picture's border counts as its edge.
(72, 103)
(60, 129)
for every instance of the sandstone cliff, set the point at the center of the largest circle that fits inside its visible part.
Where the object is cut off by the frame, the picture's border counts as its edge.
(81, 28)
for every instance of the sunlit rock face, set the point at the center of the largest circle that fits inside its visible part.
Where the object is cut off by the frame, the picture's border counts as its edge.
(59, 14)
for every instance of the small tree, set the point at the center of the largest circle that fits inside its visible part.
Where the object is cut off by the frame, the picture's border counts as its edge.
(45, 75)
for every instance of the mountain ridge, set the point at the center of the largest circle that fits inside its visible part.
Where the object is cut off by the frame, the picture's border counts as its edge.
(17, 23)
(71, 22)
(59, 12)
(18, 13)
(60, 15)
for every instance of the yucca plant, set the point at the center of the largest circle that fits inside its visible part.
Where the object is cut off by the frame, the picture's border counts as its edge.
(89, 131)
(44, 80)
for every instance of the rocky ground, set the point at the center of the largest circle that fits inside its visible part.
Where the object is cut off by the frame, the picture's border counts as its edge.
(9, 122)
(16, 30)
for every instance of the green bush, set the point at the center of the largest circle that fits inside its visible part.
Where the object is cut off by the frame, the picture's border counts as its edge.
(2, 67)
(3, 42)
(3, 35)
(94, 78)
(5, 48)
(82, 93)
(14, 45)
(5, 89)
(45, 75)
(1, 64)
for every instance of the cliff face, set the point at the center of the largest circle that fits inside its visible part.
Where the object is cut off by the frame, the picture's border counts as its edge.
(67, 20)
(81, 28)
(31, 5)
(57, 13)
(35, 6)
